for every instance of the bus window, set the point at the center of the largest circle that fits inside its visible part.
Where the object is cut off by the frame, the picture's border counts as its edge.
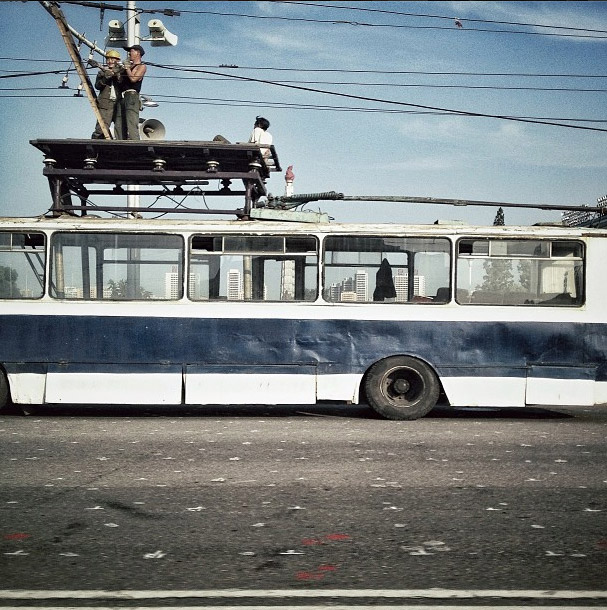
(520, 272)
(22, 265)
(386, 269)
(119, 266)
(253, 268)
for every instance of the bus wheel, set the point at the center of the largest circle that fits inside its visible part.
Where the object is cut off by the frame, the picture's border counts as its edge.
(4, 391)
(402, 388)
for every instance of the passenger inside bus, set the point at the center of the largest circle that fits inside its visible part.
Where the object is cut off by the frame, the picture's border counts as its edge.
(384, 282)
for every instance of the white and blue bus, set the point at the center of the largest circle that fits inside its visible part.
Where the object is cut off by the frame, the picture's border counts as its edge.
(174, 312)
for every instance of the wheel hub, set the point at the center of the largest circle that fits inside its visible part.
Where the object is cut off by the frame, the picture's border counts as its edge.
(401, 386)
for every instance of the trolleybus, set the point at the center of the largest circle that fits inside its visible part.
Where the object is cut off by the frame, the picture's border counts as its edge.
(206, 312)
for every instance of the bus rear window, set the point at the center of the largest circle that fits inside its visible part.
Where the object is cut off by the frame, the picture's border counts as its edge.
(520, 272)
(22, 265)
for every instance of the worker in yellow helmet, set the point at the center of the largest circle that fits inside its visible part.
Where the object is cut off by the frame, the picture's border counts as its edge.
(108, 84)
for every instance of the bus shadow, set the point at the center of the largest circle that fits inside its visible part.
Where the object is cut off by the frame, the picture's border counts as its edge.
(320, 410)
(447, 412)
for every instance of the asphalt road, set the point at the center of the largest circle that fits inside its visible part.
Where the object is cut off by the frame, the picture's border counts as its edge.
(321, 498)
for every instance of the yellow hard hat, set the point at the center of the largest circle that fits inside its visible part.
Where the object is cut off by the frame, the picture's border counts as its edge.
(113, 53)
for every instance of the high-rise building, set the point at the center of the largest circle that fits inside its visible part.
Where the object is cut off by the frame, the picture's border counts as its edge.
(194, 286)
(401, 285)
(172, 285)
(287, 281)
(361, 283)
(334, 292)
(235, 285)
(401, 282)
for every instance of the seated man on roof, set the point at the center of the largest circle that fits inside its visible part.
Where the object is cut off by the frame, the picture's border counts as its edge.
(260, 135)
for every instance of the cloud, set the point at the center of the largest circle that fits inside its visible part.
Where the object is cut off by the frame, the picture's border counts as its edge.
(429, 163)
(470, 141)
(439, 129)
(280, 40)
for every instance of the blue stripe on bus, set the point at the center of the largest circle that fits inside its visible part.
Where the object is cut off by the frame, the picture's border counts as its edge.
(333, 346)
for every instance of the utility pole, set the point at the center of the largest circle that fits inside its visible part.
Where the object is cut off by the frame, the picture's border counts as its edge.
(57, 14)
(132, 38)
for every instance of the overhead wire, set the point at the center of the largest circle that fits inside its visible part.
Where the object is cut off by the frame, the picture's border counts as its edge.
(348, 71)
(235, 103)
(298, 84)
(386, 101)
(232, 102)
(174, 13)
(401, 26)
(410, 85)
(347, 83)
(577, 32)
(430, 16)
(41, 73)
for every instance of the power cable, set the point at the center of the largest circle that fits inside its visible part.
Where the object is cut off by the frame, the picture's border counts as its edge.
(466, 20)
(24, 74)
(403, 26)
(406, 85)
(346, 71)
(394, 102)
(232, 103)
(169, 99)
(168, 12)
(454, 27)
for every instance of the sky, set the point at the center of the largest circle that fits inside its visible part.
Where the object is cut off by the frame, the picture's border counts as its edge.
(383, 77)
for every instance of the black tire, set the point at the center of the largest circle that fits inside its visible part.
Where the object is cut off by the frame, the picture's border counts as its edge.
(5, 395)
(402, 388)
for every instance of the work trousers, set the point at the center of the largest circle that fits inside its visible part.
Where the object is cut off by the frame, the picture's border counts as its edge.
(107, 109)
(126, 125)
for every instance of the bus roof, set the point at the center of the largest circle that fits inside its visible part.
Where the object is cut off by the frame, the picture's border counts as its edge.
(91, 223)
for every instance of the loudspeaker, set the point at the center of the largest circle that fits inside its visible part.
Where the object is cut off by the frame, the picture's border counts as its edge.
(151, 129)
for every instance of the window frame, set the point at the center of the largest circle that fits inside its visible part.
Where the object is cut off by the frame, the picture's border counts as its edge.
(287, 252)
(416, 299)
(42, 280)
(577, 302)
(54, 293)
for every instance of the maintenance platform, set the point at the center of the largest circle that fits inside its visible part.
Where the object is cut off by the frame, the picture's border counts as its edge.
(79, 168)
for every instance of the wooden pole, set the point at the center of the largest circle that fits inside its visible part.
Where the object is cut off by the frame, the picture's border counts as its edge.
(72, 49)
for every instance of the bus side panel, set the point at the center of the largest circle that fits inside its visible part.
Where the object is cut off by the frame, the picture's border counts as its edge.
(27, 383)
(556, 385)
(238, 385)
(113, 385)
(600, 393)
(484, 391)
(139, 359)
(338, 387)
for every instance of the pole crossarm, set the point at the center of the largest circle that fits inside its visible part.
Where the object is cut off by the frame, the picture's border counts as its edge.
(53, 9)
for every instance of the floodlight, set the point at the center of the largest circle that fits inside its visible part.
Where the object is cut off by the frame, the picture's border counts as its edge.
(116, 34)
(159, 35)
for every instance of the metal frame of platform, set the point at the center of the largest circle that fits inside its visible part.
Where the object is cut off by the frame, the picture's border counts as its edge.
(165, 167)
